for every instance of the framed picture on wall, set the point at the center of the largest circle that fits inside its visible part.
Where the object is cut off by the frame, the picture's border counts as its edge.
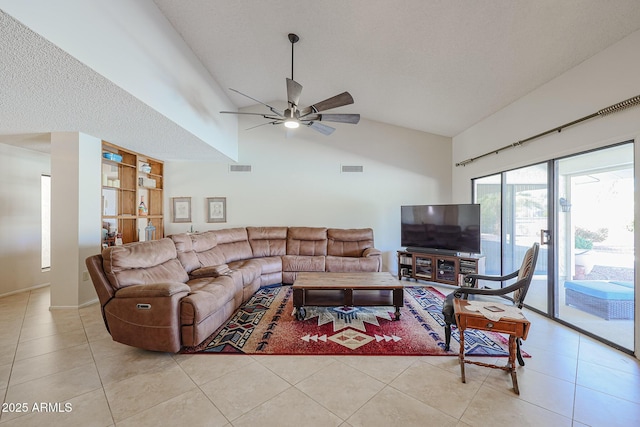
(216, 209)
(181, 209)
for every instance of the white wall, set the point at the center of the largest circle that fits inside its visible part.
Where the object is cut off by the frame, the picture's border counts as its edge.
(20, 218)
(297, 180)
(611, 76)
(75, 215)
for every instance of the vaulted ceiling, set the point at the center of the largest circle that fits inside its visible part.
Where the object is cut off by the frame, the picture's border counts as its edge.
(434, 66)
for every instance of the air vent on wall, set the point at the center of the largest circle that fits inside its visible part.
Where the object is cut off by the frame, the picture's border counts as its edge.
(239, 168)
(352, 168)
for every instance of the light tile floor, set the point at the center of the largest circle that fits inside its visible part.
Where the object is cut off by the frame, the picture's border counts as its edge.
(68, 358)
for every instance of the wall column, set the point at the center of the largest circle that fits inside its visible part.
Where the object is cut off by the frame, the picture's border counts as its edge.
(75, 216)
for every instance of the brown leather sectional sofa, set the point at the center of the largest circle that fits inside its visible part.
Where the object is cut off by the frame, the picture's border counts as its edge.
(165, 294)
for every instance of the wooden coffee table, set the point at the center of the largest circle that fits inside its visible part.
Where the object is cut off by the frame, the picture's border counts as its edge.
(346, 289)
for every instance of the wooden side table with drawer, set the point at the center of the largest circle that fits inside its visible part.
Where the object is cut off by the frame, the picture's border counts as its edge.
(515, 328)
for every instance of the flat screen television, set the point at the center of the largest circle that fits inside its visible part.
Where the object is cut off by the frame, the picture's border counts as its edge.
(441, 228)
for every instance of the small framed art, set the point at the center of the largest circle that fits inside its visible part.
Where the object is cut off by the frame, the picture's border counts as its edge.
(181, 209)
(216, 209)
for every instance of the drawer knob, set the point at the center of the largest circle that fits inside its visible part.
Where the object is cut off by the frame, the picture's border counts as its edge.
(489, 325)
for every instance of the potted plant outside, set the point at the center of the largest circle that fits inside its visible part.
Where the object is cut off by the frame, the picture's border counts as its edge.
(584, 240)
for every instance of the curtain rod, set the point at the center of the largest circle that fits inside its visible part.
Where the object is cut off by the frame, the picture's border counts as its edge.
(603, 112)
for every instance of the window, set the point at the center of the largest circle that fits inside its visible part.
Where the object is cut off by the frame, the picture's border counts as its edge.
(45, 194)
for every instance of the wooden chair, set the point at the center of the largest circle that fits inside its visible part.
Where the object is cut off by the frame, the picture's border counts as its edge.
(519, 289)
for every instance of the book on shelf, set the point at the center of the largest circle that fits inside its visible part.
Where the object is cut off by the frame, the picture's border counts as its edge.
(405, 259)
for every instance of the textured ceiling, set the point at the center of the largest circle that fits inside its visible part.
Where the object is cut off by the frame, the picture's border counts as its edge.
(435, 66)
(43, 90)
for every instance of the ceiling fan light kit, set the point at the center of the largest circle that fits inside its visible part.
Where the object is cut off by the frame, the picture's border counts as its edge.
(291, 123)
(310, 116)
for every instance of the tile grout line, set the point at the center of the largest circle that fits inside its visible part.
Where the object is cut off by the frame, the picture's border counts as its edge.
(575, 380)
(200, 389)
(51, 374)
(15, 352)
(95, 365)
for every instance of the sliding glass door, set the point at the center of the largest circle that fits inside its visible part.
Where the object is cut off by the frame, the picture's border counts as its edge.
(526, 221)
(487, 192)
(580, 208)
(514, 214)
(595, 273)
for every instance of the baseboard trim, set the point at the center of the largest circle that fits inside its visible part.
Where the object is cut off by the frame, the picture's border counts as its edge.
(88, 303)
(57, 307)
(29, 289)
(74, 307)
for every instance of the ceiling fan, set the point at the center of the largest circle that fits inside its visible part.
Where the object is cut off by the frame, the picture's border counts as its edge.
(310, 116)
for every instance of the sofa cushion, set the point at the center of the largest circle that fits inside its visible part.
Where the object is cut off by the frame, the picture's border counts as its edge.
(270, 265)
(250, 269)
(233, 244)
(207, 296)
(206, 248)
(349, 242)
(143, 263)
(198, 250)
(339, 264)
(310, 241)
(186, 255)
(267, 241)
(303, 263)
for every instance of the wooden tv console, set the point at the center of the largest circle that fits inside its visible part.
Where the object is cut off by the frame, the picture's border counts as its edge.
(438, 268)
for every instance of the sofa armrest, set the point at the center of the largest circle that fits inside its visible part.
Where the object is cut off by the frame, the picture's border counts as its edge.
(147, 316)
(153, 290)
(211, 271)
(371, 252)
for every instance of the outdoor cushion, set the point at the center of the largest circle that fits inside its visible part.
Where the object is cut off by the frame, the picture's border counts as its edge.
(604, 289)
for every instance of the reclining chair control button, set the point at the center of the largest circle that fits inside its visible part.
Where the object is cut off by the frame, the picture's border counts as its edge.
(144, 306)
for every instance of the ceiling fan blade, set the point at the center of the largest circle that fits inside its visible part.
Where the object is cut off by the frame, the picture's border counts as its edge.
(338, 118)
(280, 113)
(344, 98)
(274, 122)
(294, 89)
(266, 116)
(323, 129)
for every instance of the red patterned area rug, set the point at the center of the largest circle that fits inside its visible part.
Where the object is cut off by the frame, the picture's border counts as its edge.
(266, 325)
